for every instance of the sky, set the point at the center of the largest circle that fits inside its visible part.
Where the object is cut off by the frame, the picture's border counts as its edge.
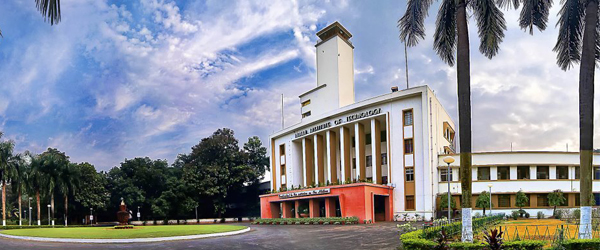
(116, 80)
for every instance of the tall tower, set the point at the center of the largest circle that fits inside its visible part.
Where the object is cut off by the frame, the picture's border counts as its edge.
(335, 72)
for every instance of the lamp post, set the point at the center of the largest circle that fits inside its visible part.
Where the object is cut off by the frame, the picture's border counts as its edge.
(490, 186)
(91, 215)
(29, 211)
(197, 221)
(449, 160)
(48, 215)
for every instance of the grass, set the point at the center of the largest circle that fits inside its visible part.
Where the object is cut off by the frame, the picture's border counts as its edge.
(110, 233)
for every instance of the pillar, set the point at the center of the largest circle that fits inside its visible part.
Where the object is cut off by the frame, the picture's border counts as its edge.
(359, 146)
(376, 150)
(330, 207)
(273, 167)
(274, 209)
(320, 160)
(345, 154)
(287, 209)
(332, 176)
(307, 162)
(313, 207)
(296, 206)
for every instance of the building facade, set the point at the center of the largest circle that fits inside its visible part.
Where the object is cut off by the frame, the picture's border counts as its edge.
(382, 158)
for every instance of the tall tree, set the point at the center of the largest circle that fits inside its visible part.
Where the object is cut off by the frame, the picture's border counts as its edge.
(483, 201)
(36, 181)
(556, 198)
(93, 194)
(52, 163)
(50, 10)
(19, 180)
(452, 36)
(68, 182)
(6, 171)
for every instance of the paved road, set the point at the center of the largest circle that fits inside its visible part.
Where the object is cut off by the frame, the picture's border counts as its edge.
(376, 236)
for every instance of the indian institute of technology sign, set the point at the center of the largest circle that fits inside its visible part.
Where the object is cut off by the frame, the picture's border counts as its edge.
(339, 121)
(305, 193)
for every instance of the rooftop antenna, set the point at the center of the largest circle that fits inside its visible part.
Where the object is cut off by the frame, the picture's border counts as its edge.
(406, 62)
(282, 120)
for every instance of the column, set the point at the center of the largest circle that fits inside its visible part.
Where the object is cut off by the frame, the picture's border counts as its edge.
(332, 176)
(329, 207)
(296, 206)
(287, 209)
(532, 172)
(273, 167)
(345, 154)
(493, 173)
(313, 206)
(376, 150)
(359, 146)
(307, 161)
(320, 164)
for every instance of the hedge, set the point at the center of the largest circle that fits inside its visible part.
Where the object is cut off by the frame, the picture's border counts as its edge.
(581, 244)
(524, 245)
(9, 227)
(307, 221)
(466, 246)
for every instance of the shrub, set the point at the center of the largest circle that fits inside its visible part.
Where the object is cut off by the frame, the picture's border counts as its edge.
(336, 223)
(576, 214)
(577, 244)
(524, 245)
(418, 244)
(540, 215)
(527, 215)
(466, 246)
(493, 239)
(515, 214)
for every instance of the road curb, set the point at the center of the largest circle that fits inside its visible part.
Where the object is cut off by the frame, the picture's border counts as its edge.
(136, 240)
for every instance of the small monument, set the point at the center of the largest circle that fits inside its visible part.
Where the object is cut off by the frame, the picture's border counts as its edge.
(123, 216)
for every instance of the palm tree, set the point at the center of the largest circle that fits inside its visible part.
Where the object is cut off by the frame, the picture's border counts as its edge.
(52, 162)
(19, 180)
(6, 171)
(452, 36)
(36, 181)
(68, 183)
(50, 9)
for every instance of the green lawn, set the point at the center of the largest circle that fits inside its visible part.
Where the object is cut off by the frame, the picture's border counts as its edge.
(110, 233)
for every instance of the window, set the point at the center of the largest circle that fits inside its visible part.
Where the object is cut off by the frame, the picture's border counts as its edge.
(368, 139)
(542, 200)
(305, 103)
(483, 173)
(369, 161)
(353, 163)
(543, 172)
(504, 200)
(384, 159)
(410, 202)
(384, 180)
(577, 200)
(444, 176)
(353, 142)
(597, 198)
(596, 173)
(408, 118)
(503, 173)
(410, 174)
(523, 172)
(562, 172)
(307, 114)
(577, 172)
(383, 136)
(408, 146)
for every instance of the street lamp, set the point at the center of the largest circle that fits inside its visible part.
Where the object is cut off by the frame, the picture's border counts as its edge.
(138, 213)
(490, 186)
(30, 211)
(197, 221)
(449, 160)
(91, 215)
(49, 214)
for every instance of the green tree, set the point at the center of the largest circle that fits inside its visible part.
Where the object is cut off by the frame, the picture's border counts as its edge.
(36, 181)
(451, 35)
(522, 200)
(20, 178)
(50, 9)
(6, 171)
(68, 182)
(483, 201)
(93, 194)
(556, 198)
(216, 167)
(444, 202)
(53, 162)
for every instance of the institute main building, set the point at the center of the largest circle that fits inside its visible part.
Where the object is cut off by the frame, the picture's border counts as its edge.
(381, 158)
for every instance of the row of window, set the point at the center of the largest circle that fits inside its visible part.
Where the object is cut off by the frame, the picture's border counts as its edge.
(504, 200)
(523, 173)
(369, 160)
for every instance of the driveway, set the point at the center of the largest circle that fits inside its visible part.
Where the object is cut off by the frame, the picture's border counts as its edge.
(376, 236)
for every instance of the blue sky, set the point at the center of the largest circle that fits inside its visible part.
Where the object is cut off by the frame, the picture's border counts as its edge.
(122, 79)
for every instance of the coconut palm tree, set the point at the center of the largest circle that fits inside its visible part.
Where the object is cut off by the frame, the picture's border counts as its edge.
(52, 161)
(68, 183)
(36, 180)
(6, 171)
(50, 9)
(19, 180)
(452, 37)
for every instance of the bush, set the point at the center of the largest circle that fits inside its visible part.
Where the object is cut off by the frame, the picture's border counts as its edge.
(527, 215)
(524, 245)
(592, 244)
(540, 215)
(515, 214)
(466, 246)
(418, 244)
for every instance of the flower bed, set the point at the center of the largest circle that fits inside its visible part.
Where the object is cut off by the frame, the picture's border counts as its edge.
(308, 221)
